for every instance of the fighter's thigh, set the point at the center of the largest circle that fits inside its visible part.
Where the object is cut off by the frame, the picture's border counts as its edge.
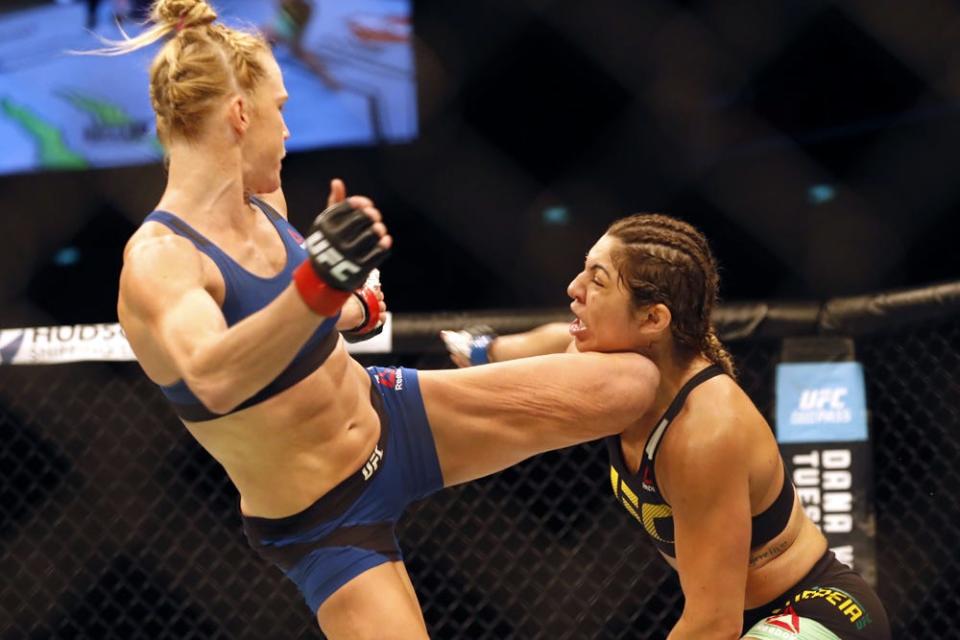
(377, 604)
(401, 569)
(485, 419)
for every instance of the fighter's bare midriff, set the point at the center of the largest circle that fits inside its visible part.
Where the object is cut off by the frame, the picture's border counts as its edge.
(289, 450)
(284, 453)
(782, 562)
(802, 545)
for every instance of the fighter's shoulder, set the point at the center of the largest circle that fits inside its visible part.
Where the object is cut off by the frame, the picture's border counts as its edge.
(717, 414)
(720, 389)
(707, 441)
(154, 240)
(154, 253)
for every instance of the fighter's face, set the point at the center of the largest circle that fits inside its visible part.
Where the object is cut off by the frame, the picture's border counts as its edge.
(263, 142)
(605, 317)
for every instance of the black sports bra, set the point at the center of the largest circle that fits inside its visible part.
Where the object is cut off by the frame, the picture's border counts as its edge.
(639, 494)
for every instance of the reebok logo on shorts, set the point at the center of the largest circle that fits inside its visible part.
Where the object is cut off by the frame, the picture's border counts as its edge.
(391, 378)
(788, 620)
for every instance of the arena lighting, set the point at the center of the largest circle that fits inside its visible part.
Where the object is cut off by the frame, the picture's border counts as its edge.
(556, 216)
(67, 257)
(821, 193)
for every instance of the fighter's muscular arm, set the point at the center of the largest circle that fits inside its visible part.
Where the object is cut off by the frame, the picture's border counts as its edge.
(545, 339)
(165, 309)
(179, 332)
(705, 479)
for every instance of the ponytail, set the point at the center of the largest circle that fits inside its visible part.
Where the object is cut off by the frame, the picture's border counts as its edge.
(168, 17)
(716, 353)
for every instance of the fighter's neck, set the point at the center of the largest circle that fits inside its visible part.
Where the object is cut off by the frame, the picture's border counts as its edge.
(674, 374)
(205, 187)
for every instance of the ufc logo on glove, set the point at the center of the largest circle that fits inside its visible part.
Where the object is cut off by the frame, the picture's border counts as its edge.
(324, 253)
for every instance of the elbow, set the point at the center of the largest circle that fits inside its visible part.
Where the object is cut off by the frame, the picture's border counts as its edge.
(219, 403)
(722, 634)
(715, 629)
(214, 392)
(731, 631)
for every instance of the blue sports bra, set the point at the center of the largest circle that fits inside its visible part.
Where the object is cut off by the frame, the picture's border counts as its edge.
(244, 294)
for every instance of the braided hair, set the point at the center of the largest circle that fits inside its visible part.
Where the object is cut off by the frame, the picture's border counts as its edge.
(665, 260)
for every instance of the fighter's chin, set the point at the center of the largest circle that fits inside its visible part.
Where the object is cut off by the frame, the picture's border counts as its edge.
(583, 343)
(586, 343)
(271, 184)
(583, 347)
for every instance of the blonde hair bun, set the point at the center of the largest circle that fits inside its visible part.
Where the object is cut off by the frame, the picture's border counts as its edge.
(180, 14)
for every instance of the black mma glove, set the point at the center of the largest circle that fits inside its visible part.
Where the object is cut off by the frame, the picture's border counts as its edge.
(343, 249)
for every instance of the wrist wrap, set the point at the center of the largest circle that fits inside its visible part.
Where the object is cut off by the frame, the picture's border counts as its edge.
(480, 349)
(322, 299)
(371, 310)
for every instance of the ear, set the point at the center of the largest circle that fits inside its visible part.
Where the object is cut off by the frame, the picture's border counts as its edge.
(654, 319)
(238, 114)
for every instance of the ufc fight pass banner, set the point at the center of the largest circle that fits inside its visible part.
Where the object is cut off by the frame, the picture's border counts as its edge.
(821, 425)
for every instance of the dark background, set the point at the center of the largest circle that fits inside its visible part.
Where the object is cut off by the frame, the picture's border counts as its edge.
(813, 142)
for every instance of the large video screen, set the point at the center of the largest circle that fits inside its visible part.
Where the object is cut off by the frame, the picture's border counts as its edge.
(348, 67)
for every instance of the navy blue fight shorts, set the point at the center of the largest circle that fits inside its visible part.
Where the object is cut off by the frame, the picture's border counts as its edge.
(352, 528)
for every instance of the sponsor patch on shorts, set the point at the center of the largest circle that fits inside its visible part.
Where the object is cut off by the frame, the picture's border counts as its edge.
(790, 626)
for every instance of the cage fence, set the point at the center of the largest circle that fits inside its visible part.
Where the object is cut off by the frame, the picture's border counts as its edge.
(115, 524)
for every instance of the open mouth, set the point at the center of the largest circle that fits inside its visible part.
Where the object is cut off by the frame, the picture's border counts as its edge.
(577, 328)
